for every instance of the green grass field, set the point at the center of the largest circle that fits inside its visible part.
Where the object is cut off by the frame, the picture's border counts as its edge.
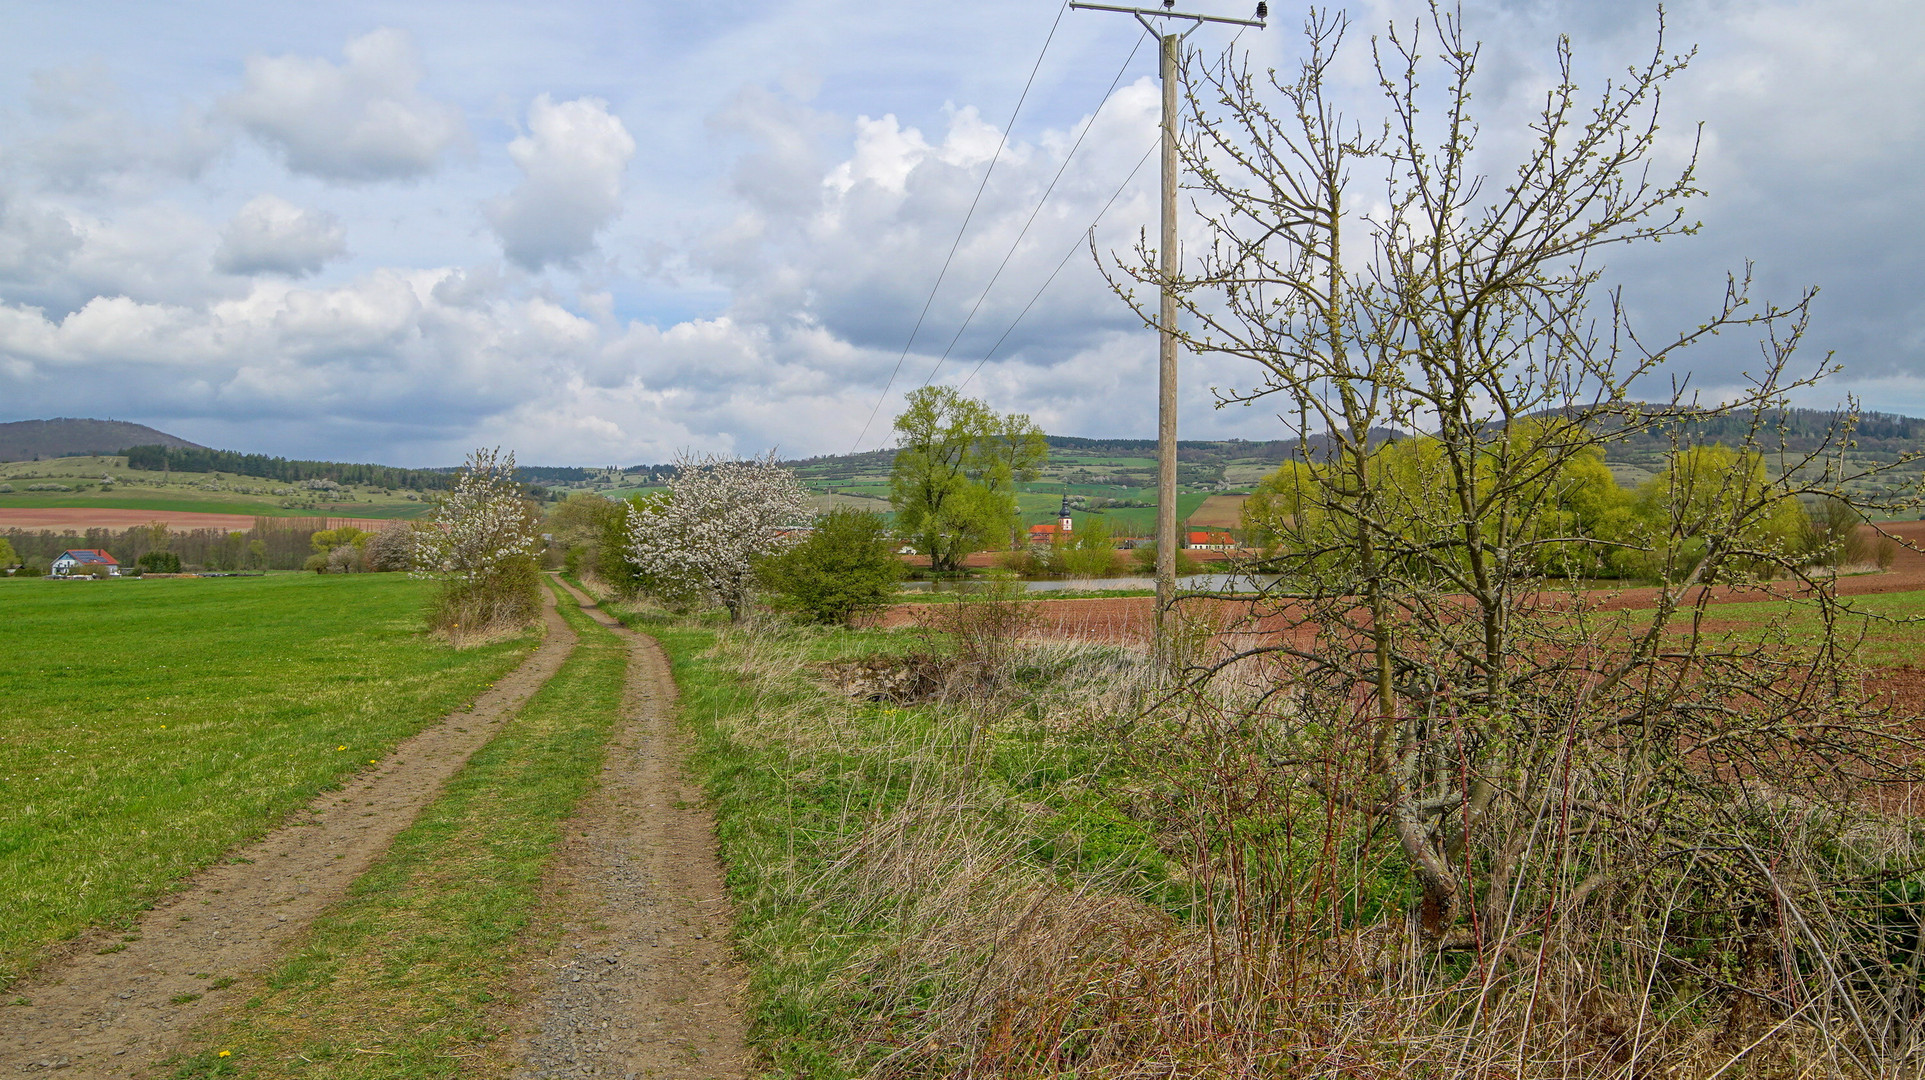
(147, 726)
(200, 493)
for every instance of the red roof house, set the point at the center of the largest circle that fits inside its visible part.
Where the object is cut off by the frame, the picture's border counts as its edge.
(84, 557)
(1209, 540)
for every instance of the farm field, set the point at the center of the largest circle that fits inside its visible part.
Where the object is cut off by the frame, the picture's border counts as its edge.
(151, 725)
(105, 483)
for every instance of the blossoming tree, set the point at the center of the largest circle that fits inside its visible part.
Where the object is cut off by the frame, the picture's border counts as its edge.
(702, 538)
(482, 543)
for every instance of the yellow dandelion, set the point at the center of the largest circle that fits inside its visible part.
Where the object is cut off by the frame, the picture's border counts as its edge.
(225, 1053)
(372, 761)
(338, 748)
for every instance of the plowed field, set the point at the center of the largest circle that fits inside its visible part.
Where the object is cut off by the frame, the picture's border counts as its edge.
(80, 519)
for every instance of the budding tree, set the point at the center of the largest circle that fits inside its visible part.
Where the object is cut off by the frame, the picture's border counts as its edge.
(482, 543)
(703, 537)
(1454, 705)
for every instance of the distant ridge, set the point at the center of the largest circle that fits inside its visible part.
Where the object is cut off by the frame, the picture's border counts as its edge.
(31, 440)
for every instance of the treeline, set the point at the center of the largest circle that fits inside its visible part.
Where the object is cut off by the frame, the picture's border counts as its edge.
(199, 460)
(272, 544)
(1802, 431)
(553, 474)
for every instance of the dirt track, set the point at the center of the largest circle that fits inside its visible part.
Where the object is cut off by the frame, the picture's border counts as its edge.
(80, 519)
(642, 982)
(114, 1014)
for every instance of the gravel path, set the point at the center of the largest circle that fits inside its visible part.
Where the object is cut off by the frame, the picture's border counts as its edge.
(113, 1015)
(641, 981)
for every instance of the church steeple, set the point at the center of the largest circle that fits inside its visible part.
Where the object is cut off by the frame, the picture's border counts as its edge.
(1063, 518)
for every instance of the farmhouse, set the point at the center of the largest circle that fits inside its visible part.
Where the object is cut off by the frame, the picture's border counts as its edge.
(87, 558)
(1209, 540)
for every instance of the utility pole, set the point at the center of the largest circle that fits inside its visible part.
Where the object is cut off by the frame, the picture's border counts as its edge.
(1169, 267)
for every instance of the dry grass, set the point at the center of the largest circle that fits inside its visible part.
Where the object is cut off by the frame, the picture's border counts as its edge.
(1066, 867)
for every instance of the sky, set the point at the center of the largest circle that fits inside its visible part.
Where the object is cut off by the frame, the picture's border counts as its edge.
(599, 234)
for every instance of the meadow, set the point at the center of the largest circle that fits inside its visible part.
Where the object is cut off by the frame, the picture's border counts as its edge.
(148, 726)
(106, 483)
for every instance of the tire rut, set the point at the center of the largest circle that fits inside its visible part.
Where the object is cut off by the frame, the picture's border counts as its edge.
(115, 1015)
(641, 980)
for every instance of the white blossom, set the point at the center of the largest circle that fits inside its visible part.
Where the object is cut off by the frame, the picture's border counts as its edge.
(480, 526)
(719, 515)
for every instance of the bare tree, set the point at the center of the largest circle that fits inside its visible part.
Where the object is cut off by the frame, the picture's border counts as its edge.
(718, 517)
(1552, 765)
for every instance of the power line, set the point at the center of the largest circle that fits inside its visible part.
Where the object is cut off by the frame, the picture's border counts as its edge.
(957, 243)
(1077, 246)
(1074, 248)
(993, 278)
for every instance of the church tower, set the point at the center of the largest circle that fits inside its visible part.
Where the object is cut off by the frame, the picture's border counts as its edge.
(1063, 518)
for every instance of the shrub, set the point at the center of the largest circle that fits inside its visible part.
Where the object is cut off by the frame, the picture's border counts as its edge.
(391, 549)
(703, 538)
(846, 566)
(482, 544)
(159, 562)
(1145, 556)
(345, 559)
(985, 624)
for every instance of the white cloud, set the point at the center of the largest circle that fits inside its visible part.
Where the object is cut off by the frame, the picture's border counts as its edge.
(35, 242)
(365, 119)
(273, 236)
(82, 136)
(572, 159)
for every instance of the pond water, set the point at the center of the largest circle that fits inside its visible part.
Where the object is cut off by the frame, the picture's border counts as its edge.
(1192, 583)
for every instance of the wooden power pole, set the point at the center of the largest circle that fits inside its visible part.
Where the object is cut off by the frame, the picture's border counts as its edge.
(1169, 267)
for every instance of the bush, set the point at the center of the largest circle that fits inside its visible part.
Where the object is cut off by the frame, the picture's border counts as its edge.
(345, 559)
(985, 624)
(483, 544)
(159, 562)
(391, 549)
(847, 566)
(1145, 556)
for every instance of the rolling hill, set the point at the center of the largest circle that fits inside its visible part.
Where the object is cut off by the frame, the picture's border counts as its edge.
(37, 440)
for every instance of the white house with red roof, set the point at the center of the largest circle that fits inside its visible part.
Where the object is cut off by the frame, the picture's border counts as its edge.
(89, 558)
(1209, 540)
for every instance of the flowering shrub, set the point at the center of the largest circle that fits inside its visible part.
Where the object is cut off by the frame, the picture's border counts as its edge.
(391, 549)
(701, 539)
(482, 544)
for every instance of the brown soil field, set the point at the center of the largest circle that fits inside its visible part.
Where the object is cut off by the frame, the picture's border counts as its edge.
(1219, 512)
(81, 518)
(1128, 619)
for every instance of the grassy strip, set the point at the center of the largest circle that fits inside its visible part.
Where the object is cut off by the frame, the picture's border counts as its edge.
(403, 977)
(146, 728)
(843, 954)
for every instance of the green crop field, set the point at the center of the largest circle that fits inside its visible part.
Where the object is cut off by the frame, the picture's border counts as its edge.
(147, 726)
(106, 483)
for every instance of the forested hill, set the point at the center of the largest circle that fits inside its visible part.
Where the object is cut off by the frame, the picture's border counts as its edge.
(1877, 435)
(36, 440)
(199, 459)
